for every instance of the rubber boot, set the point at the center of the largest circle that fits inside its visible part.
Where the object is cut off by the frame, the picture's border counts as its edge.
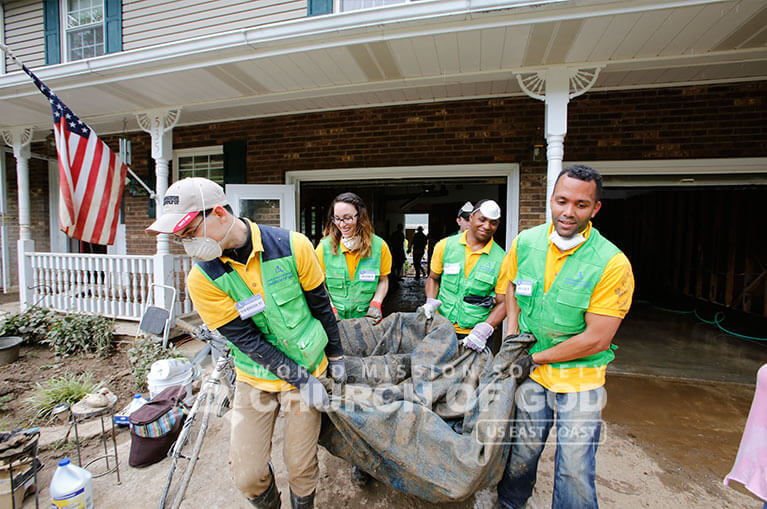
(269, 499)
(306, 502)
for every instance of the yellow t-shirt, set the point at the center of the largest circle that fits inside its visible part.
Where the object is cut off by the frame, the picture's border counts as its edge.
(216, 308)
(353, 259)
(611, 297)
(471, 259)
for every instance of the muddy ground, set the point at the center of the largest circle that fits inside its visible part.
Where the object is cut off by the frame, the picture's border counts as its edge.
(667, 443)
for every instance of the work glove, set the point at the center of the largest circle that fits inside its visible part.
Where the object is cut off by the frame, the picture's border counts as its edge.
(374, 312)
(477, 338)
(430, 307)
(335, 313)
(337, 370)
(313, 393)
(522, 367)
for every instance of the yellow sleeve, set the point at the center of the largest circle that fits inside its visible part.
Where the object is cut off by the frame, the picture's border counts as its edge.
(503, 279)
(510, 262)
(436, 257)
(612, 295)
(385, 259)
(320, 256)
(310, 273)
(214, 306)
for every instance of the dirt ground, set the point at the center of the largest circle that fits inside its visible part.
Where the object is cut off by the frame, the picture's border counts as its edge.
(659, 451)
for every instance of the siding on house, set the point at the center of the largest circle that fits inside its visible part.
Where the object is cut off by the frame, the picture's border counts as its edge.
(24, 32)
(151, 22)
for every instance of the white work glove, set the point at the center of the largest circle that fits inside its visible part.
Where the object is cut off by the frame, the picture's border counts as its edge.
(313, 393)
(477, 338)
(430, 307)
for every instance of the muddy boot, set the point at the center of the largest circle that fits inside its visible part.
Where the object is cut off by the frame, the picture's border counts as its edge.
(306, 502)
(359, 477)
(270, 499)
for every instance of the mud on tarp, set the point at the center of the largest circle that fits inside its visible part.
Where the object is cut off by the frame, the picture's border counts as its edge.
(418, 412)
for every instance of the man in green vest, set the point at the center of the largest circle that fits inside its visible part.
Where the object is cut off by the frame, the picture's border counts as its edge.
(570, 288)
(466, 282)
(262, 288)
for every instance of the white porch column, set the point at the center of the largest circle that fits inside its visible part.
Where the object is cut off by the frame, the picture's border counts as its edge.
(19, 139)
(159, 124)
(556, 86)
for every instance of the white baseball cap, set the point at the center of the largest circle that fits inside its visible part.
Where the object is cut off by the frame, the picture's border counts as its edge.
(184, 200)
(466, 210)
(488, 208)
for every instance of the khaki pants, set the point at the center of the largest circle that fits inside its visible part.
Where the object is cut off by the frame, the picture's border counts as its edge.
(253, 417)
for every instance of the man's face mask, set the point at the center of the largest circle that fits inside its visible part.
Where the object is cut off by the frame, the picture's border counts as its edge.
(204, 248)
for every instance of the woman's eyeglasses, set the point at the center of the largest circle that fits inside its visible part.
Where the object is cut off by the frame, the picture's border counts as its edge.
(345, 219)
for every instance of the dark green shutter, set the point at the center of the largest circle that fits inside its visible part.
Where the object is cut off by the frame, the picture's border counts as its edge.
(51, 32)
(235, 162)
(317, 7)
(151, 182)
(113, 26)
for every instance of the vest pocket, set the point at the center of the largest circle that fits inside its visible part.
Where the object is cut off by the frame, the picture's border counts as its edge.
(290, 306)
(483, 281)
(572, 307)
(336, 286)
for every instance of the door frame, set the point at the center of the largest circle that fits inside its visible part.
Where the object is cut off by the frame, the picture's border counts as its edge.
(508, 170)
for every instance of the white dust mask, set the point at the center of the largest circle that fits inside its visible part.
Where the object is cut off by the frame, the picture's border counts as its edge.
(351, 243)
(566, 243)
(204, 248)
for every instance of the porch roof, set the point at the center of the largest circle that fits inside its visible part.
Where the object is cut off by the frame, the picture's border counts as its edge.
(431, 50)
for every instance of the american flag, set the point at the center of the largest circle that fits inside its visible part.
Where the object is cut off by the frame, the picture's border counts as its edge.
(91, 176)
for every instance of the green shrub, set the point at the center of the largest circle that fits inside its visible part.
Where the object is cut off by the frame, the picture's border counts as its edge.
(68, 388)
(80, 333)
(143, 353)
(32, 324)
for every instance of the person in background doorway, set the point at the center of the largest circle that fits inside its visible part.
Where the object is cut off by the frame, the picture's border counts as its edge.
(356, 261)
(397, 242)
(570, 288)
(418, 247)
(466, 283)
(247, 280)
(463, 217)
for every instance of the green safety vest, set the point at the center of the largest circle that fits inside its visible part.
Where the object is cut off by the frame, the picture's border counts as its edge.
(480, 282)
(556, 315)
(352, 297)
(287, 321)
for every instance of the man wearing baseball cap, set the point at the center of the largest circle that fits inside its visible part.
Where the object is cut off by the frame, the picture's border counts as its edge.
(465, 282)
(463, 217)
(262, 288)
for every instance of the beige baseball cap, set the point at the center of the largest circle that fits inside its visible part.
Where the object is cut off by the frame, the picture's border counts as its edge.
(184, 200)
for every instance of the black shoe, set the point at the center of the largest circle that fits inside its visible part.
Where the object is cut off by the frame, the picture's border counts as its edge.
(359, 477)
(306, 502)
(269, 499)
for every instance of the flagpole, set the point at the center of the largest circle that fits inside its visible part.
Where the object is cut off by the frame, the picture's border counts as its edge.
(152, 194)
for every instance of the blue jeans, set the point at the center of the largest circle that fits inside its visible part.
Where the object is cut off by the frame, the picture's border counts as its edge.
(578, 418)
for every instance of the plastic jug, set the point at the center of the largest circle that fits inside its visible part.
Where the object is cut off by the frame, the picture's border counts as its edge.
(71, 487)
(123, 416)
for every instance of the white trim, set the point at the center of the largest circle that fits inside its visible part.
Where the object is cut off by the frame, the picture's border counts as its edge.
(285, 194)
(64, 40)
(678, 166)
(211, 150)
(3, 70)
(688, 172)
(508, 170)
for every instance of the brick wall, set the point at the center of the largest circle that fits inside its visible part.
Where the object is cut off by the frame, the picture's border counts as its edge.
(683, 122)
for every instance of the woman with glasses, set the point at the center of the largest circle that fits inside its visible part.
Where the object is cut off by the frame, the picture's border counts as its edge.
(356, 261)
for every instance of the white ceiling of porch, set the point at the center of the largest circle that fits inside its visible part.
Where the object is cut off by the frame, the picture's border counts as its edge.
(637, 44)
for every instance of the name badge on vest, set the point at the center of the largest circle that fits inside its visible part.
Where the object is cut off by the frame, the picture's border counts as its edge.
(367, 275)
(250, 306)
(452, 268)
(524, 288)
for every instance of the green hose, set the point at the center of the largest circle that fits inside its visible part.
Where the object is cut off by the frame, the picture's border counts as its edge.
(717, 321)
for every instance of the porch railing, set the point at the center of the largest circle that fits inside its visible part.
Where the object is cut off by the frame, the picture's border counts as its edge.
(116, 286)
(181, 266)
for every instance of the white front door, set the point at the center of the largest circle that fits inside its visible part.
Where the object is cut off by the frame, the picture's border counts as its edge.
(269, 204)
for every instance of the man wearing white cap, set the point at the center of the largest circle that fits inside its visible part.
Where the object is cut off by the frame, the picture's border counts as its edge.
(465, 283)
(262, 288)
(463, 217)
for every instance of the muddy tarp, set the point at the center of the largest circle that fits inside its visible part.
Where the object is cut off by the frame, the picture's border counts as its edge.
(418, 412)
